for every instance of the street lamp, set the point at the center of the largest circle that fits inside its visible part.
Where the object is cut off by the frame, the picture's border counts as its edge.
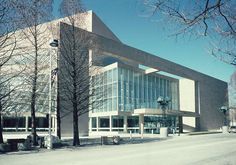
(54, 44)
(224, 109)
(164, 102)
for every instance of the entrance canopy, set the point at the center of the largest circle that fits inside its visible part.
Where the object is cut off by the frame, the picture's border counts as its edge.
(147, 111)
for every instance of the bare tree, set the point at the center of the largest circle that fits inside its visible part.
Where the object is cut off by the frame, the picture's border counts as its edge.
(214, 18)
(7, 48)
(8, 69)
(75, 65)
(232, 98)
(31, 14)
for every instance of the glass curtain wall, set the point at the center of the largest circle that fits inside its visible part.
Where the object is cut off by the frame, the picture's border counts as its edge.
(125, 89)
(105, 91)
(139, 90)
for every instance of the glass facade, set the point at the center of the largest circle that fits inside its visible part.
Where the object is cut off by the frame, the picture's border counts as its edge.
(140, 90)
(22, 79)
(19, 123)
(105, 91)
(126, 89)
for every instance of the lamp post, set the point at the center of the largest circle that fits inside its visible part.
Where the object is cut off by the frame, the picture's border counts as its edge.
(224, 109)
(54, 43)
(164, 102)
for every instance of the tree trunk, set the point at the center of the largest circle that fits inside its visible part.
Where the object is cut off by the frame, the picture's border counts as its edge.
(76, 141)
(1, 137)
(34, 88)
(33, 119)
(58, 114)
(58, 101)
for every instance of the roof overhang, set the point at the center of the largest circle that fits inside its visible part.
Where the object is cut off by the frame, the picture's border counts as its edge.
(147, 111)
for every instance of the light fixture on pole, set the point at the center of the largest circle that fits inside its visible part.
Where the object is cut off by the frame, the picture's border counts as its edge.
(224, 109)
(54, 43)
(164, 102)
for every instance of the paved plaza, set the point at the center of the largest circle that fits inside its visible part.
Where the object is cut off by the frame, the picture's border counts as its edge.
(178, 150)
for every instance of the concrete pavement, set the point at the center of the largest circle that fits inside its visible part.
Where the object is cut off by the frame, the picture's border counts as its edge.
(200, 149)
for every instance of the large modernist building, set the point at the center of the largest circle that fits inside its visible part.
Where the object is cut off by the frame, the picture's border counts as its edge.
(132, 81)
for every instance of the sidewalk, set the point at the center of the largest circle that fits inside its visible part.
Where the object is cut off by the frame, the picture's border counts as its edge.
(126, 138)
(13, 135)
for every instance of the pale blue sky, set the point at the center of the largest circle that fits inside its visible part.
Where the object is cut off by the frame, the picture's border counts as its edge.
(149, 34)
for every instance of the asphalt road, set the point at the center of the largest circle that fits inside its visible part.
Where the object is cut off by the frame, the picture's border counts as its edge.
(198, 149)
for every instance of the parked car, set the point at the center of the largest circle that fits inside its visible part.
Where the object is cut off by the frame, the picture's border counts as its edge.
(232, 129)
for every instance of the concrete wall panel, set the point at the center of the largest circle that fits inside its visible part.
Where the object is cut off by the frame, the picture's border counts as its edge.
(187, 102)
